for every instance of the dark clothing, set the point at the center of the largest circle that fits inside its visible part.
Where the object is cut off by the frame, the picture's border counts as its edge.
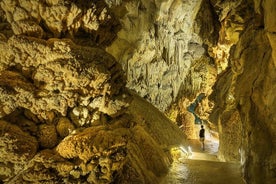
(202, 136)
(202, 133)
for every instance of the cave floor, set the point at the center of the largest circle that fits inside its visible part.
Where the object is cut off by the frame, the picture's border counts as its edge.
(203, 167)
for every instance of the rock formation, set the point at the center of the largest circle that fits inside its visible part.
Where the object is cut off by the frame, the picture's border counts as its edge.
(65, 114)
(244, 91)
(172, 51)
(162, 51)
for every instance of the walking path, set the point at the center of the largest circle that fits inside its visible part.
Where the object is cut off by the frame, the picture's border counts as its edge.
(203, 167)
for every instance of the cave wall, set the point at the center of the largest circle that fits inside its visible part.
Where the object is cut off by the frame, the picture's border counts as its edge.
(161, 47)
(66, 115)
(171, 55)
(165, 50)
(244, 95)
(169, 52)
(173, 51)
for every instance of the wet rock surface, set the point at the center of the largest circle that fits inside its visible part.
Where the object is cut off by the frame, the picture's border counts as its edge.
(203, 167)
(202, 172)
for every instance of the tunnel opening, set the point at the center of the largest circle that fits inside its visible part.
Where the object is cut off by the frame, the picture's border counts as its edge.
(191, 126)
(191, 108)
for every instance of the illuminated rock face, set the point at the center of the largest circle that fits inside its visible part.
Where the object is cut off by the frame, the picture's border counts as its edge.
(88, 22)
(65, 114)
(62, 76)
(65, 110)
(175, 50)
(161, 48)
(245, 94)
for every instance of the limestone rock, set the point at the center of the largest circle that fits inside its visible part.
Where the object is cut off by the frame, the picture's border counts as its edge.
(171, 52)
(64, 105)
(113, 153)
(54, 80)
(25, 124)
(247, 87)
(159, 47)
(48, 19)
(17, 147)
(43, 168)
(231, 131)
(80, 116)
(187, 124)
(97, 150)
(269, 22)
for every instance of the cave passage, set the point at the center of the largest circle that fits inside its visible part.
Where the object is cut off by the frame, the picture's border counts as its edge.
(191, 108)
(115, 91)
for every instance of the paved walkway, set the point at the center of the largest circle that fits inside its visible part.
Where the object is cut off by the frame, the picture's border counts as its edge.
(203, 167)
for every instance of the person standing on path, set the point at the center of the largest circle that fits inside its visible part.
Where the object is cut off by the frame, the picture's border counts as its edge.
(202, 136)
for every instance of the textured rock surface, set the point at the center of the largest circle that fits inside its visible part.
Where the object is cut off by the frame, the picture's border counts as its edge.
(174, 50)
(17, 148)
(165, 50)
(57, 83)
(248, 87)
(161, 49)
(66, 116)
(86, 22)
(60, 75)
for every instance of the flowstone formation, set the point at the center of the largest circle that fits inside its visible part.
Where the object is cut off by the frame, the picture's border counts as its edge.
(245, 92)
(65, 114)
(164, 48)
(161, 48)
(174, 50)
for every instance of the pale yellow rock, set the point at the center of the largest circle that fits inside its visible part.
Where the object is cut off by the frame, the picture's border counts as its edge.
(186, 121)
(104, 143)
(62, 77)
(45, 74)
(80, 116)
(61, 19)
(42, 168)
(170, 51)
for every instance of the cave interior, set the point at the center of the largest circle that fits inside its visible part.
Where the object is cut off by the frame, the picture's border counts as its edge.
(115, 91)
